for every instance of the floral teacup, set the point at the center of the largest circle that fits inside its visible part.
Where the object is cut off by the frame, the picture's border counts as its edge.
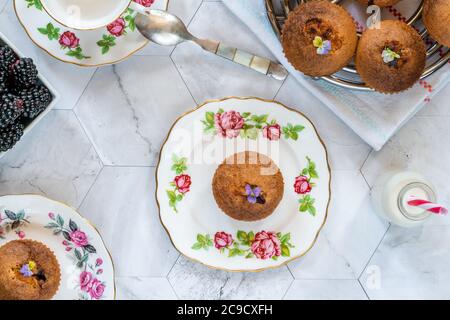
(88, 14)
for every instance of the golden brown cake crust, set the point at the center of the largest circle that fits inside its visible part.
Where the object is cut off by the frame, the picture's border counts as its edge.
(324, 19)
(250, 168)
(380, 3)
(382, 76)
(436, 17)
(13, 286)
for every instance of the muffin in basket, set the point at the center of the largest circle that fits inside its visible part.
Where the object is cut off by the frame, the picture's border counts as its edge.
(248, 186)
(319, 38)
(436, 17)
(28, 271)
(380, 3)
(391, 59)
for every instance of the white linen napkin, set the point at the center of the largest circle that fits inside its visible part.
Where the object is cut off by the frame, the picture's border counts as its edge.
(373, 116)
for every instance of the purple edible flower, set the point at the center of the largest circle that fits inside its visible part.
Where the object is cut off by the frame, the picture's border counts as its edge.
(252, 193)
(25, 270)
(325, 48)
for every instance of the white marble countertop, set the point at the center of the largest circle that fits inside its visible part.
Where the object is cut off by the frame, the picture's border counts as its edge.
(74, 157)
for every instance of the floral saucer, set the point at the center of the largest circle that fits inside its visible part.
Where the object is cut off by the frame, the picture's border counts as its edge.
(89, 48)
(199, 141)
(87, 271)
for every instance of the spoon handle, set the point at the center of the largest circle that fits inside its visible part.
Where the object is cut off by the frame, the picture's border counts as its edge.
(259, 64)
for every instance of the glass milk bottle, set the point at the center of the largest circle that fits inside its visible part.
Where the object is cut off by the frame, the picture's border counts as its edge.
(391, 193)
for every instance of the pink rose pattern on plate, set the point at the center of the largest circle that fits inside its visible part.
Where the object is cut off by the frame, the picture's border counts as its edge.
(120, 27)
(71, 43)
(263, 245)
(303, 186)
(76, 243)
(232, 124)
(67, 39)
(181, 184)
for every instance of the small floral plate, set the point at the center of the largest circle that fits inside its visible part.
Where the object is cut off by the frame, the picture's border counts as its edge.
(199, 141)
(87, 271)
(88, 48)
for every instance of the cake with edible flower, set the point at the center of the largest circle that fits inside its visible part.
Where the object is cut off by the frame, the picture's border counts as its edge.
(319, 38)
(28, 271)
(248, 186)
(392, 58)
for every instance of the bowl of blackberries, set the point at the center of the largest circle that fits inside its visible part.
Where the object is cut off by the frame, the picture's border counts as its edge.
(25, 96)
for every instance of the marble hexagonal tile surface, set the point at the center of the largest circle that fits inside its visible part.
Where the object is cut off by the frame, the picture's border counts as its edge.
(325, 290)
(422, 146)
(74, 80)
(127, 109)
(56, 160)
(345, 149)
(192, 280)
(350, 235)
(136, 288)
(122, 205)
(3, 3)
(410, 264)
(209, 76)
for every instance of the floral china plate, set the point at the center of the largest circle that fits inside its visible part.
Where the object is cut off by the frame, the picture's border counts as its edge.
(89, 48)
(199, 141)
(87, 271)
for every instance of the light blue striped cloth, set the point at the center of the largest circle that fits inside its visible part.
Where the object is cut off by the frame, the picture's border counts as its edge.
(374, 117)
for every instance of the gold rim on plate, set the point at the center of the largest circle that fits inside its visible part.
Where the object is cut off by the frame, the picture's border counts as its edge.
(73, 62)
(242, 99)
(82, 218)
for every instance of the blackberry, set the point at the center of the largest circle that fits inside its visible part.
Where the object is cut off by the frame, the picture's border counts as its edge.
(7, 57)
(35, 100)
(3, 81)
(10, 135)
(24, 73)
(11, 107)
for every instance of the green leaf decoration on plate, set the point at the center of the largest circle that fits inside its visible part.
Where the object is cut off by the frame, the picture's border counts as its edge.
(50, 31)
(232, 124)
(68, 40)
(292, 132)
(106, 43)
(303, 186)
(181, 184)
(262, 245)
(13, 222)
(34, 3)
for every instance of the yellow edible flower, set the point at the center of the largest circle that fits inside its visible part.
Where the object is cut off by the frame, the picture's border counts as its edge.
(32, 265)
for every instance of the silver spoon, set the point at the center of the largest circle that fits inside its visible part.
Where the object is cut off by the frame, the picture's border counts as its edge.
(166, 29)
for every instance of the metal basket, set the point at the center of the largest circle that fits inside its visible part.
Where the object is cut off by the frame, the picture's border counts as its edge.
(437, 55)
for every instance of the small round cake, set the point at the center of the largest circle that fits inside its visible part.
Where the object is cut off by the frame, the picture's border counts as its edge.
(390, 59)
(248, 186)
(380, 3)
(28, 271)
(319, 38)
(436, 17)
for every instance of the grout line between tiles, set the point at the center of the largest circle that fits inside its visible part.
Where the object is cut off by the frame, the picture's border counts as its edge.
(88, 137)
(279, 89)
(374, 251)
(287, 290)
(90, 188)
(185, 84)
(362, 287)
(83, 92)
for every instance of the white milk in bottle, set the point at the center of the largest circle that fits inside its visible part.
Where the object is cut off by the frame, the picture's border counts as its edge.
(392, 191)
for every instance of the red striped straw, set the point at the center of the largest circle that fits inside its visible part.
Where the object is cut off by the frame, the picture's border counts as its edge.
(427, 205)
